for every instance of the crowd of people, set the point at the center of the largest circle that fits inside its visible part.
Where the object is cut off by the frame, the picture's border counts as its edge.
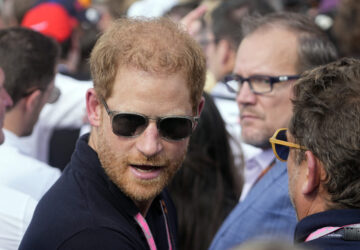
(182, 124)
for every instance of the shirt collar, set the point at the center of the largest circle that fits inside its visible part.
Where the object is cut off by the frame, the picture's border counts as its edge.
(336, 217)
(86, 161)
(263, 159)
(12, 140)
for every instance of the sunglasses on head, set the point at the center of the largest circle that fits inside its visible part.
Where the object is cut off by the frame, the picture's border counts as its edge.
(172, 128)
(281, 146)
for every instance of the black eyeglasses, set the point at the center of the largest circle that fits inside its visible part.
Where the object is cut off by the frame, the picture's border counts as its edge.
(258, 84)
(281, 146)
(172, 128)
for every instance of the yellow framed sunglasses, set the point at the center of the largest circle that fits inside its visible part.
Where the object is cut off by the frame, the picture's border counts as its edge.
(281, 146)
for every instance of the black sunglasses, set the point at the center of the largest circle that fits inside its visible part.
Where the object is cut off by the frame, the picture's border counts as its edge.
(172, 128)
(281, 146)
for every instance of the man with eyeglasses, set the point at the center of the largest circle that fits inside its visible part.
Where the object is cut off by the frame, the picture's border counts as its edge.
(28, 60)
(322, 150)
(224, 33)
(275, 50)
(147, 97)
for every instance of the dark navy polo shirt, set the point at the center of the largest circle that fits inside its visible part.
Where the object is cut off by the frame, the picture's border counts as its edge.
(332, 218)
(85, 210)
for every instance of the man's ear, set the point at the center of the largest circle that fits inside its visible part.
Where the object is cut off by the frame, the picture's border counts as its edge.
(32, 100)
(313, 173)
(201, 106)
(2, 76)
(224, 47)
(227, 55)
(93, 108)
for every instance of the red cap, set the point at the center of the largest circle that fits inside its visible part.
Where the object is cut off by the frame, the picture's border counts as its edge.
(50, 19)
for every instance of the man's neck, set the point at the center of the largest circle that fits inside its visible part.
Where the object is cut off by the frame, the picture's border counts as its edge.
(314, 203)
(13, 122)
(143, 206)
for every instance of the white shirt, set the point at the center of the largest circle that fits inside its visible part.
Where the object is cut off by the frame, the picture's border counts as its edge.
(16, 210)
(23, 173)
(253, 169)
(68, 112)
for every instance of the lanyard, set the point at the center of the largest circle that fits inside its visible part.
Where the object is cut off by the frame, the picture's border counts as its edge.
(264, 171)
(325, 231)
(146, 229)
(164, 212)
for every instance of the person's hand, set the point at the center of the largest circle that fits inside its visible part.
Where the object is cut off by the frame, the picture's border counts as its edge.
(191, 21)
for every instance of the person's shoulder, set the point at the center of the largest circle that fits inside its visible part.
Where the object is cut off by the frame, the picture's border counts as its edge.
(78, 213)
(86, 238)
(18, 207)
(331, 243)
(83, 237)
(13, 156)
(26, 174)
(29, 165)
(101, 238)
(12, 196)
(40, 167)
(15, 216)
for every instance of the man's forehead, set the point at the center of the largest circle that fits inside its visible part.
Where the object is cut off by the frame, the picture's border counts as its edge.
(134, 87)
(134, 72)
(270, 51)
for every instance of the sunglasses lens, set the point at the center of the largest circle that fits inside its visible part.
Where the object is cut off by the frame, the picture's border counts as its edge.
(175, 128)
(128, 124)
(282, 150)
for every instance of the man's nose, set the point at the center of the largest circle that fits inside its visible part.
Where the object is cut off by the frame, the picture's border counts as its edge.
(149, 143)
(245, 95)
